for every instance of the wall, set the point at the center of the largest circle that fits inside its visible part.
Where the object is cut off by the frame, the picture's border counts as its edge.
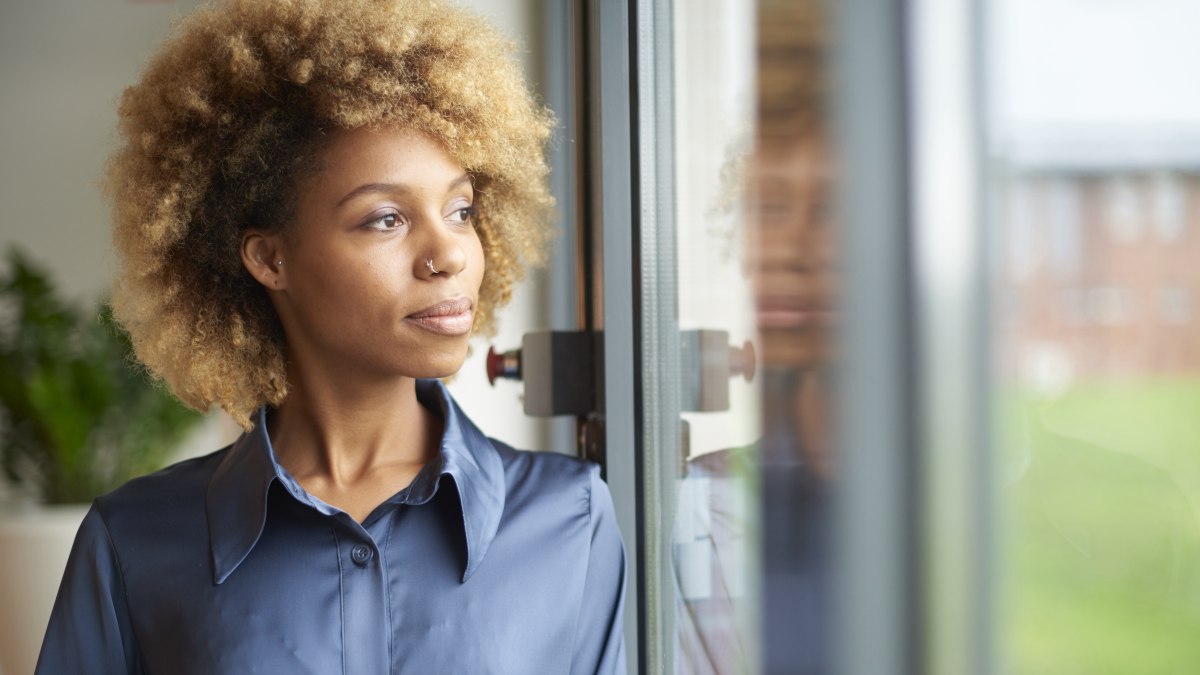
(498, 411)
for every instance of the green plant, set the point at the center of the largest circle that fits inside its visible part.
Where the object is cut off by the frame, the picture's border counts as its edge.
(77, 417)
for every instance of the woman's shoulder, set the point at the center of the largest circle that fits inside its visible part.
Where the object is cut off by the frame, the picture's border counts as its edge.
(548, 476)
(179, 487)
(544, 464)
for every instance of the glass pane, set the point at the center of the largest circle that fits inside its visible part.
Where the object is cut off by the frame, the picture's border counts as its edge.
(1093, 131)
(697, 83)
(739, 298)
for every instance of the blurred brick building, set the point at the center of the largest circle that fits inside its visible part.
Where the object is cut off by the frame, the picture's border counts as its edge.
(1100, 241)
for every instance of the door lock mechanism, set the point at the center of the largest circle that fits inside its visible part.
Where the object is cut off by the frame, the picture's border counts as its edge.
(559, 370)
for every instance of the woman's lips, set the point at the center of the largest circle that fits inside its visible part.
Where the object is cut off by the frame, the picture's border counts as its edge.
(450, 317)
(789, 313)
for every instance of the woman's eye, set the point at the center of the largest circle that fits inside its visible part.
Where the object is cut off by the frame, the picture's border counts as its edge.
(388, 221)
(463, 215)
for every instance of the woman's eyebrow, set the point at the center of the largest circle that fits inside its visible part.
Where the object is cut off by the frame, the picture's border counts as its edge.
(375, 188)
(395, 188)
(465, 178)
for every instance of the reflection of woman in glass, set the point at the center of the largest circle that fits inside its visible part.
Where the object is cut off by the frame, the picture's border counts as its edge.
(796, 268)
(794, 262)
(796, 296)
(316, 203)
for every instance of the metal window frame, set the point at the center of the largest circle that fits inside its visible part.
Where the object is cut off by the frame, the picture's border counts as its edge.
(614, 220)
(657, 252)
(589, 85)
(953, 255)
(877, 524)
(915, 503)
(629, 154)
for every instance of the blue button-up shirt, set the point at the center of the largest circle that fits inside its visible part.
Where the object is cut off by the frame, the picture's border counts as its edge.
(491, 561)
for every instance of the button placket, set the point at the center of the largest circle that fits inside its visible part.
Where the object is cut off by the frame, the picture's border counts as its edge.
(364, 606)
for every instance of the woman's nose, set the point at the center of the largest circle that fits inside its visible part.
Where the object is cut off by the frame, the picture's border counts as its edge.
(440, 253)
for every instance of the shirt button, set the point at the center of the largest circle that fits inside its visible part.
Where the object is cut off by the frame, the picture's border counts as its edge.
(361, 555)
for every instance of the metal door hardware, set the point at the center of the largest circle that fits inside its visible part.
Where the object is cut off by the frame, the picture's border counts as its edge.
(707, 363)
(559, 370)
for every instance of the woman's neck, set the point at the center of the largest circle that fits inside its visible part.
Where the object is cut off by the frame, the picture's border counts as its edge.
(339, 436)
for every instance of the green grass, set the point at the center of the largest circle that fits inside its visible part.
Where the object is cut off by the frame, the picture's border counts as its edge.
(1101, 538)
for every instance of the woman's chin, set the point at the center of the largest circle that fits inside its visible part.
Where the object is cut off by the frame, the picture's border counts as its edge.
(439, 366)
(803, 348)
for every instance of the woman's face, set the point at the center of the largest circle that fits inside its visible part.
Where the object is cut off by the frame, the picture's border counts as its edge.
(796, 257)
(356, 291)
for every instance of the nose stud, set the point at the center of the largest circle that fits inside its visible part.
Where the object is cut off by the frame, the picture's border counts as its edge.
(429, 264)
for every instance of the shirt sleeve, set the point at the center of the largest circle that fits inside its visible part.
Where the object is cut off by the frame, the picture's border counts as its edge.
(600, 641)
(89, 629)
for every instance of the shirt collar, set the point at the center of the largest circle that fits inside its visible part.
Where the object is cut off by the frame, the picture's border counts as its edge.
(237, 493)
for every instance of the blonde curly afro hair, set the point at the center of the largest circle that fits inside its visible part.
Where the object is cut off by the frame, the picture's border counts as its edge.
(232, 111)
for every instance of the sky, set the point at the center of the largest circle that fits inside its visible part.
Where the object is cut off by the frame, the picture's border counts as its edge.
(1089, 63)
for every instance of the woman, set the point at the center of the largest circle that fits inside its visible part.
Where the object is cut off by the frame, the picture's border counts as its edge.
(316, 203)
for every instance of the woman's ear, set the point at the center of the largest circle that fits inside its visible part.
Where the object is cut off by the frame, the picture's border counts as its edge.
(262, 257)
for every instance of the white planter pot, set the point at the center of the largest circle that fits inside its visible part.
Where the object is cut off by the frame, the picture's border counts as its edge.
(34, 545)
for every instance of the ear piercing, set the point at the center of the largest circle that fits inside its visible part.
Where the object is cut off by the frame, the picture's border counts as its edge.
(429, 264)
(279, 262)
